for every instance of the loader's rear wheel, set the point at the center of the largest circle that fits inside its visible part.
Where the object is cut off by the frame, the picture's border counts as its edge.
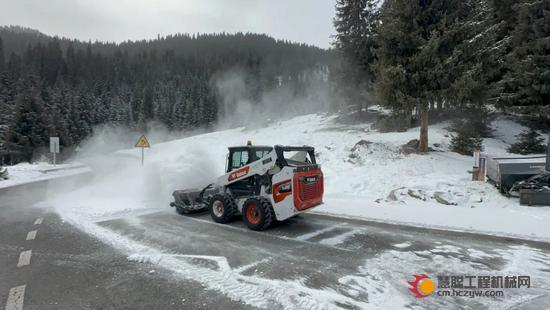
(258, 213)
(222, 208)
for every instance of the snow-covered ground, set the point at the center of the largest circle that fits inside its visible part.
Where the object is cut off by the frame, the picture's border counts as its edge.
(26, 173)
(374, 181)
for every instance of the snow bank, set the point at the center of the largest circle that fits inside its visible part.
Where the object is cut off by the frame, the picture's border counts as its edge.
(27, 173)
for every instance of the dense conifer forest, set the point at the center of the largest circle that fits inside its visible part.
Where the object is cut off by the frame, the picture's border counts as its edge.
(53, 86)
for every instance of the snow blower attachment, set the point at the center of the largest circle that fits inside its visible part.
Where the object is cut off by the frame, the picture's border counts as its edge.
(262, 184)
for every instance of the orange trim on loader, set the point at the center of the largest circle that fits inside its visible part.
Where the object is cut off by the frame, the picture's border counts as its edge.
(277, 195)
(238, 173)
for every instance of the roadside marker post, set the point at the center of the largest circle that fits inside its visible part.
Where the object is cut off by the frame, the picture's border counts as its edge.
(143, 143)
(54, 147)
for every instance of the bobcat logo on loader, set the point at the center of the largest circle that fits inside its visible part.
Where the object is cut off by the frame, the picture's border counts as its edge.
(238, 173)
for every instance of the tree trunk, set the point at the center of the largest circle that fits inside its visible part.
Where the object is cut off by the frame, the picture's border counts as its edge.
(423, 129)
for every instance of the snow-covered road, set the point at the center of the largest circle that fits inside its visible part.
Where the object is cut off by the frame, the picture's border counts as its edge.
(311, 262)
(317, 262)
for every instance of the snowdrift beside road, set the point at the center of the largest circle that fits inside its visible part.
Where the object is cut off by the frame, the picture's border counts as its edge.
(27, 173)
(365, 176)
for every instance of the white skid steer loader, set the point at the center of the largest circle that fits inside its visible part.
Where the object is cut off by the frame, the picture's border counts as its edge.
(261, 184)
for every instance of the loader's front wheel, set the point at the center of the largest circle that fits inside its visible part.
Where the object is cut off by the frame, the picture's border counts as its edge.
(258, 213)
(222, 208)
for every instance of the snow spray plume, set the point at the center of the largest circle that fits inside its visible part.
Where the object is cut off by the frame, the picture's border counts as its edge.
(119, 184)
(108, 138)
(243, 103)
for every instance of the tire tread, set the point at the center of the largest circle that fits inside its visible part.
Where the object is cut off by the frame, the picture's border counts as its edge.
(267, 210)
(230, 207)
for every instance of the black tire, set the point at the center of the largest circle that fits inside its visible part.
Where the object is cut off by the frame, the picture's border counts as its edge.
(222, 208)
(258, 213)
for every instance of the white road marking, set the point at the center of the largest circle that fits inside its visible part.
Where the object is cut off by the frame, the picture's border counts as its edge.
(15, 298)
(221, 225)
(319, 232)
(24, 258)
(31, 235)
(251, 265)
(222, 262)
(339, 239)
(38, 221)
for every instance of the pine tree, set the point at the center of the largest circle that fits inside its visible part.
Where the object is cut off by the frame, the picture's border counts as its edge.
(500, 21)
(28, 130)
(147, 107)
(529, 76)
(529, 142)
(467, 139)
(356, 24)
(470, 66)
(402, 69)
(8, 93)
(416, 47)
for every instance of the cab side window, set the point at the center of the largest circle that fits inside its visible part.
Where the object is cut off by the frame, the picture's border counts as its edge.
(260, 154)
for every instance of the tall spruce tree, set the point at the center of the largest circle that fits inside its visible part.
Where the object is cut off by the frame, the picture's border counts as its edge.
(356, 22)
(28, 130)
(472, 62)
(528, 79)
(416, 45)
(500, 22)
(148, 108)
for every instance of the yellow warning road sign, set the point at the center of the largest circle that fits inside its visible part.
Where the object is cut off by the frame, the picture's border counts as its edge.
(142, 142)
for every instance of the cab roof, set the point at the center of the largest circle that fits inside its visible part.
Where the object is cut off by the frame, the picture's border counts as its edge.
(263, 147)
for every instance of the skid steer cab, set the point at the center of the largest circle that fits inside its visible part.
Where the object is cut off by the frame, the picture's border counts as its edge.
(263, 184)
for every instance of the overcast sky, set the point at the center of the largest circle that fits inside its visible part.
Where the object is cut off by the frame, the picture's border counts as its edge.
(308, 21)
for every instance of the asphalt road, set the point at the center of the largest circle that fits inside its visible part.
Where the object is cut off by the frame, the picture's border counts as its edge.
(160, 260)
